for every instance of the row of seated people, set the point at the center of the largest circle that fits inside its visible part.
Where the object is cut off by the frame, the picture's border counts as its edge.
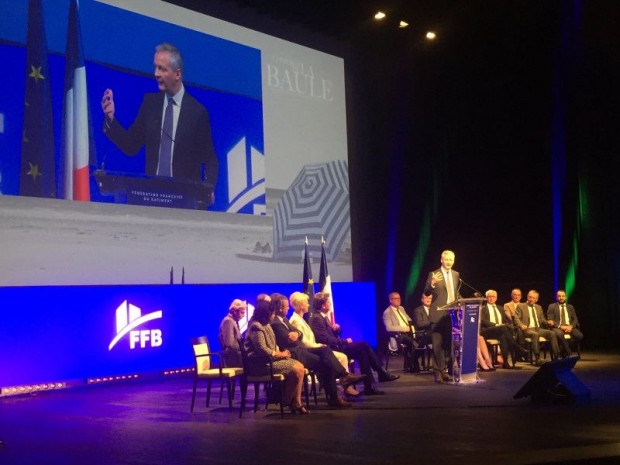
(509, 327)
(527, 320)
(294, 345)
(414, 333)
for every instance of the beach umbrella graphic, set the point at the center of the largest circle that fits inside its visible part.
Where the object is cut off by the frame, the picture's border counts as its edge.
(315, 205)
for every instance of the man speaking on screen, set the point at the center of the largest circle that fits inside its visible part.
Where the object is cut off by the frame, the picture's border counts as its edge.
(172, 125)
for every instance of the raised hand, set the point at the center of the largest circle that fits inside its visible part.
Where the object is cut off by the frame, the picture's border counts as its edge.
(107, 104)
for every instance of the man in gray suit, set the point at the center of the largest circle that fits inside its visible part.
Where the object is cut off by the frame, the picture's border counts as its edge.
(398, 326)
(442, 285)
(562, 317)
(529, 317)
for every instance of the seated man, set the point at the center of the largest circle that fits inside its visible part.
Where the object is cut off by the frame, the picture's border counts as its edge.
(398, 326)
(320, 359)
(300, 304)
(562, 317)
(529, 317)
(510, 309)
(422, 321)
(327, 334)
(493, 326)
(229, 334)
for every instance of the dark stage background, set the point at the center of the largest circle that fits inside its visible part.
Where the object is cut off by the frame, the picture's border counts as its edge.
(499, 140)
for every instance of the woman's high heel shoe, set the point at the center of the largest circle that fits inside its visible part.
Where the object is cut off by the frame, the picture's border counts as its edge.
(302, 409)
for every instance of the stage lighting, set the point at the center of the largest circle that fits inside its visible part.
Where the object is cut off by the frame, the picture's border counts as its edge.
(403, 24)
(29, 389)
(379, 15)
(111, 379)
(430, 35)
(179, 371)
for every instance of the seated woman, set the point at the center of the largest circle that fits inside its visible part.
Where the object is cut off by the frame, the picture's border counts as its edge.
(261, 341)
(230, 334)
(484, 359)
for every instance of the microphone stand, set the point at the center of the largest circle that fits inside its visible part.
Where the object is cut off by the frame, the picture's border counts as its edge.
(477, 293)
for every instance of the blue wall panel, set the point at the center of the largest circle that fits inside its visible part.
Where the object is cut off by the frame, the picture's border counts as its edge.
(61, 333)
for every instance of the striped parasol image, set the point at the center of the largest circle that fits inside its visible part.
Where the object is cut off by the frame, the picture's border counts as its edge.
(316, 205)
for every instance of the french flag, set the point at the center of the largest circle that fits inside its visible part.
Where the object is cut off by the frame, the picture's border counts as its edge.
(325, 281)
(76, 129)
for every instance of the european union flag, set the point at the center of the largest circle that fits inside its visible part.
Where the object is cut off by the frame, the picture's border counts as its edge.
(38, 171)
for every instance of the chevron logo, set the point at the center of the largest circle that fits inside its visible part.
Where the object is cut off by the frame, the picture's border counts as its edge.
(128, 319)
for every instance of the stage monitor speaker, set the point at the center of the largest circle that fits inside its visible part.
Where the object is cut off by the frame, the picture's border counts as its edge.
(555, 382)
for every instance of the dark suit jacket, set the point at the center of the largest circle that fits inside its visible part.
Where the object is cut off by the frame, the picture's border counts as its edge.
(553, 313)
(421, 320)
(281, 331)
(193, 144)
(440, 294)
(324, 333)
(485, 318)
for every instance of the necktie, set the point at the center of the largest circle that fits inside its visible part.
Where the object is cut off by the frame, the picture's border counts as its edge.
(402, 318)
(564, 315)
(498, 317)
(450, 286)
(165, 147)
(533, 316)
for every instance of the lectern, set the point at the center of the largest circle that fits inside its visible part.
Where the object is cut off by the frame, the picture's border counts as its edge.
(465, 316)
(158, 191)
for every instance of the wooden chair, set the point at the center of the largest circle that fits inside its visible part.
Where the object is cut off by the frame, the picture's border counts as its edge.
(424, 352)
(493, 346)
(209, 371)
(543, 344)
(394, 349)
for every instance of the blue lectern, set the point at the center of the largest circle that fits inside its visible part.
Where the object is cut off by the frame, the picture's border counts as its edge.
(465, 316)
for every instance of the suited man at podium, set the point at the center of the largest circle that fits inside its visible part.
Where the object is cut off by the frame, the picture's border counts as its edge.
(442, 285)
(172, 125)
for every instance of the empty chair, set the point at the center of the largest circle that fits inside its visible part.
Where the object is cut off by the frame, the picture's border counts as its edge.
(209, 367)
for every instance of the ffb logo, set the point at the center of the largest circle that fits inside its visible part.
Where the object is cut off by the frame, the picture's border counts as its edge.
(128, 320)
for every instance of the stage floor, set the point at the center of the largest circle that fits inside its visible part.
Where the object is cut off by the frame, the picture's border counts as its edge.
(417, 421)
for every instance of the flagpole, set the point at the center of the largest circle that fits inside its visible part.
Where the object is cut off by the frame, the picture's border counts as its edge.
(325, 282)
(307, 280)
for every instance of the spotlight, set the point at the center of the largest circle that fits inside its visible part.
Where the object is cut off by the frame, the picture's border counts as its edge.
(403, 25)
(27, 389)
(379, 15)
(430, 35)
(179, 371)
(111, 379)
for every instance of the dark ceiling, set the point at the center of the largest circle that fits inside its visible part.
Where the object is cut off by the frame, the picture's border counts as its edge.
(352, 20)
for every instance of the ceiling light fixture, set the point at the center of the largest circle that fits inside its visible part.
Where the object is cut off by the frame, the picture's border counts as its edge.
(430, 35)
(379, 15)
(403, 24)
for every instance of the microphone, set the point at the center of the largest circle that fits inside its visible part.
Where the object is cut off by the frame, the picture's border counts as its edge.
(477, 293)
(157, 123)
(167, 135)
